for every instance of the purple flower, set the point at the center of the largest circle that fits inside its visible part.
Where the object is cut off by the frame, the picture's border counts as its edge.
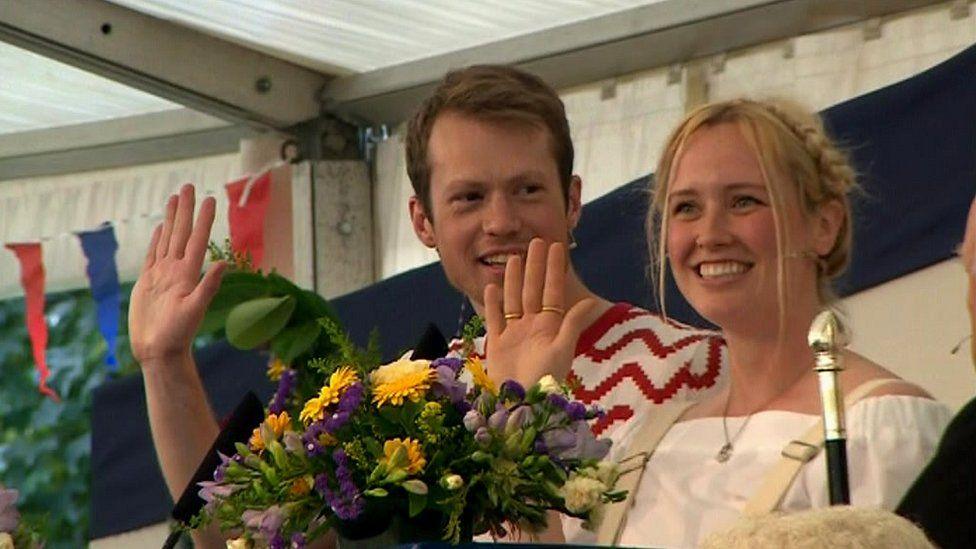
(473, 420)
(221, 469)
(351, 399)
(277, 541)
(496, 421)
(348, 503)
(574, 442)
(462, 406)
(447, 385)
(268, 522)
(298, 540)
(587, 445)
(576, 410)
(310, 439)
(210, 489)
(519, 419)
(482, 436)
(336, 421)
(451, 362)
(557, 400)
(9, 516)
(558, 441)
(512, 389)
(286, 384)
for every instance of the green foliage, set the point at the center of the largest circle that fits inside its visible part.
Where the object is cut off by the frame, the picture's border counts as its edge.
(45, 447)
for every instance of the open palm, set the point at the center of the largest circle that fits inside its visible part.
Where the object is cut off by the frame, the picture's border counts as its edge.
(169, 300)
(529, 332)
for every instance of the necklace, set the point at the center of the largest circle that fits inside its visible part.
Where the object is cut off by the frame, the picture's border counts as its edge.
(725, 452)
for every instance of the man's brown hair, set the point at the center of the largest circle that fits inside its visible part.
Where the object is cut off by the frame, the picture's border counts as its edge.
(494, 93)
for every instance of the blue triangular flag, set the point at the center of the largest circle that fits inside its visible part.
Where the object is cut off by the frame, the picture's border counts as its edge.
(99, 247)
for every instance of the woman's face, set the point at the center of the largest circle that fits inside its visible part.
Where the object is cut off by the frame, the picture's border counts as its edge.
(721, 235)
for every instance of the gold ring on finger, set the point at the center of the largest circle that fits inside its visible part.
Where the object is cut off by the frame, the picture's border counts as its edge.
(551, 309)
(513, 316)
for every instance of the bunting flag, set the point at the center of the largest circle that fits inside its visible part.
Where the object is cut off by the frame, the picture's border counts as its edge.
(99, 247)
(247, 208)
(32, 279)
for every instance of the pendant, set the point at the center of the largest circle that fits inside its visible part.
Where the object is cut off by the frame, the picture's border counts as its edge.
(724, 453)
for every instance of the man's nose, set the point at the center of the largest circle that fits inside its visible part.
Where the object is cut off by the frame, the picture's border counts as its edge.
(501, 216)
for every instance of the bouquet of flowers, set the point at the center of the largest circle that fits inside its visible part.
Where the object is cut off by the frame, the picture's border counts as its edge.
(423, 449)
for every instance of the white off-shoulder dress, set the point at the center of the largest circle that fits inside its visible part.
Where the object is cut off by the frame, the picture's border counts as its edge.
(686, 494)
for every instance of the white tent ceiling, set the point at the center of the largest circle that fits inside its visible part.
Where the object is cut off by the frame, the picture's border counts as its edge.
(337, 37)
(352, 36)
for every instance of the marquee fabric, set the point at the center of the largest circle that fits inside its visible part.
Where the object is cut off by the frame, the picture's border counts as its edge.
(914, 144)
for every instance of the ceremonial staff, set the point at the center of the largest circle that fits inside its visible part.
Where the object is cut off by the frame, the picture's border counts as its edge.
(827, 337)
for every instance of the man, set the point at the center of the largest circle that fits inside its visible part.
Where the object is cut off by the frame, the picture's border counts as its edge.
(490, 158)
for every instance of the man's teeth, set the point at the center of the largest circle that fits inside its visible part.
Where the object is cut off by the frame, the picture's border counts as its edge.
(499, 259)
(710, 270)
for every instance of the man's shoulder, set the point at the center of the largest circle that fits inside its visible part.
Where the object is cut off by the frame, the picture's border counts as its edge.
(628, 321)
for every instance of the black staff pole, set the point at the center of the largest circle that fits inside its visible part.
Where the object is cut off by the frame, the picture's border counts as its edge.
(827, 338)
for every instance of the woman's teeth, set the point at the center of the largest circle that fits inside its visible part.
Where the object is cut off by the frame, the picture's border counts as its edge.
(725, 268)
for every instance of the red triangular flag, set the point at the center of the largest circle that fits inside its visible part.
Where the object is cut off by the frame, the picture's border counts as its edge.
(247, 220)
(32, 279)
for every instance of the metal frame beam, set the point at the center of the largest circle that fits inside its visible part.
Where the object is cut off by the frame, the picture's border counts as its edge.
(189, 67)
(651, 36)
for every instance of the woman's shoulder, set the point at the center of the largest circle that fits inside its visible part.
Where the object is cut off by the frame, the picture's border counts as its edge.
(859, 370)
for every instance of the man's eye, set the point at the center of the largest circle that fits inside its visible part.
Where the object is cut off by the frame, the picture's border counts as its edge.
(467, 197)
(530, 189)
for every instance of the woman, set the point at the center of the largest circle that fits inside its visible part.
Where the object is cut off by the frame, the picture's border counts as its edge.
(754, 223)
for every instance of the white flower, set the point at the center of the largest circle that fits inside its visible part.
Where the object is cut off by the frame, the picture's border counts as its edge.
(238, 543)
(549, 385)
(606, 472)
(582, 493)
(6, 541)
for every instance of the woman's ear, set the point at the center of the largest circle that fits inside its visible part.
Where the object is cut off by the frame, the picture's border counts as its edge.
(423, 225)
(828, 222)
(574, 201)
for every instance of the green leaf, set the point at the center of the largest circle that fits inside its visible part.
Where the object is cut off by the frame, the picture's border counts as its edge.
(256, 321)
(235, 288)
(418, 502)
(415, 486)
(293, 341)
(376, 492)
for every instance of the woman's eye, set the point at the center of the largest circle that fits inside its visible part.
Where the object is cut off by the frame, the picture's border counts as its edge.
(683, 209)
(745, 202)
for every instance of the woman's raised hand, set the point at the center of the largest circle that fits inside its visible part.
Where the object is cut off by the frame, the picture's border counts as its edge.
(169, 300)
(529, 331)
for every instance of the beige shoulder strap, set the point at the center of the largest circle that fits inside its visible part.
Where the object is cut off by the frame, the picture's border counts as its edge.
(645, 441)
(797, 453)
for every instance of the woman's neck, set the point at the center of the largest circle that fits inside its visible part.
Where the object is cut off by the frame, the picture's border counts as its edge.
(768, 363)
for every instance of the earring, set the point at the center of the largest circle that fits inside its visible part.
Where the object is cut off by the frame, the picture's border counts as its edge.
(572, 241)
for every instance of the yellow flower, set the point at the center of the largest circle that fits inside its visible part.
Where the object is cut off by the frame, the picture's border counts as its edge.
(275, 369)
(329, 394)
(301, 486)
(273, 427)
(403, 454)
(400, 380)
(479, 375)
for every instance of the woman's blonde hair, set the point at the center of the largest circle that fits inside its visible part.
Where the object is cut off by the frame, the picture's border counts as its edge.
(795, 156)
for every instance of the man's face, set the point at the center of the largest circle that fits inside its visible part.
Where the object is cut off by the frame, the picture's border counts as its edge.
(493, 187)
